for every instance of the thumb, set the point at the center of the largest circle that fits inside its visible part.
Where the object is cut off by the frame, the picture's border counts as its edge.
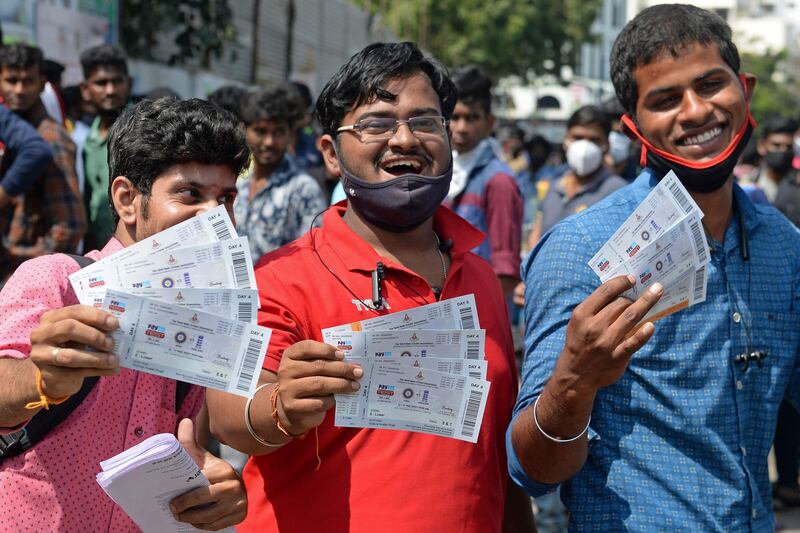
(187, 439)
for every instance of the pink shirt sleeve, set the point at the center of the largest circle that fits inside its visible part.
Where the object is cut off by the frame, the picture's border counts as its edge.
(504, 212)
(37, 286)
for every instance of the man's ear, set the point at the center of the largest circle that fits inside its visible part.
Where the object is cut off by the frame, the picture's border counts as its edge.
(126, 198)
(749, 81)
(327, 147)
(490, 119)
(85, 91)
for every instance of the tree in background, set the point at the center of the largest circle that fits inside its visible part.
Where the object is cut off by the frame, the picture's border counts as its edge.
(506, 37)
(778, 88)
(200, 29)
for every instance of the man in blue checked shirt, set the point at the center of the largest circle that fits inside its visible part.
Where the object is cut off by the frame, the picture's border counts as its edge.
(675, 436)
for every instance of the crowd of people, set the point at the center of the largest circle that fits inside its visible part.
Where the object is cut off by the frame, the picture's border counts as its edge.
(610, 424)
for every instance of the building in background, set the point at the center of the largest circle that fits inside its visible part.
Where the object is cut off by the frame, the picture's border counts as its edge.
(275, 40)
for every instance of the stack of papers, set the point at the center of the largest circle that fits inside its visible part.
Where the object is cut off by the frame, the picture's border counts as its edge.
(424, 370)
(187, 304)
(145, 478)
(661, 241)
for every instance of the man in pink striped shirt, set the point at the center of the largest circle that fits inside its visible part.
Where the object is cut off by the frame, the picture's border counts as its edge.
(170, 160)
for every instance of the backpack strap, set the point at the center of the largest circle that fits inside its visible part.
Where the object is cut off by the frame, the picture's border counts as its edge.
(45, 420)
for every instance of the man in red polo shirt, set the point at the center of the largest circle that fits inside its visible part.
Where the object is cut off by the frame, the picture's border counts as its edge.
(385, 119)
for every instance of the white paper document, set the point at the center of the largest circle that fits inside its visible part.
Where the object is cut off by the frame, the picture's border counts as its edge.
(192, 346)
(661, 241)
(402, 397)
(236, 304)
(225, 264)
(143, 480)
(454, 313)
(460, 344)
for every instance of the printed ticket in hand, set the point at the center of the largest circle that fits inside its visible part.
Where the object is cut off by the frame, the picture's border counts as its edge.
(192, 346)
(205, 228)
(667, 204)
(237, 304)
(225, 264)
(681, 249)
(415, 399)
(662, 241)
(460, 344)
(454, 313)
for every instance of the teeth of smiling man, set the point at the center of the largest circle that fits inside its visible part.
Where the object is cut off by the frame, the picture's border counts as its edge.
(403, 162)
(703, 137)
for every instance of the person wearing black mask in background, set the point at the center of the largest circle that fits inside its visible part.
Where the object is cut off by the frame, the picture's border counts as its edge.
(775, 149)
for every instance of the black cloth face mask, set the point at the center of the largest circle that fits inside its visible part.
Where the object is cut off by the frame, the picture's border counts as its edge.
(400, 204)
(780, 160)
(704, 177)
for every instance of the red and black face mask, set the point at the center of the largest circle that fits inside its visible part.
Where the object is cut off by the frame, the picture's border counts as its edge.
(704, 177)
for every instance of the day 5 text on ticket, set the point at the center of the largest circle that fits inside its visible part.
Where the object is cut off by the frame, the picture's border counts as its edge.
(461, 344)
(454, 313)
(192, 346)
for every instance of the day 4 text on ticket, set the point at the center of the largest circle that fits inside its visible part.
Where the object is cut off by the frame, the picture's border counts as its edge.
(461, 344)
(406, 398)
(225, 264)
(192, 346)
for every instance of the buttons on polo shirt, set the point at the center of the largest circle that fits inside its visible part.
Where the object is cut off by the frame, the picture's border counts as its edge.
(739, 385)
(755, 513)
(737, 317)
(138, 431)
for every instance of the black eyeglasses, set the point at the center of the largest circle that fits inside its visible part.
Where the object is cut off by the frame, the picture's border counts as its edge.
(381, 128)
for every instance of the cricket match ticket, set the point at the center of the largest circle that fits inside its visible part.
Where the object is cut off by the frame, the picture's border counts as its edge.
(225, 264)
(458, 344)
(454, 313)
(236, 304)
(211, 226)
(681, 249)
(187, 345)
(667, 205)
(408, 398)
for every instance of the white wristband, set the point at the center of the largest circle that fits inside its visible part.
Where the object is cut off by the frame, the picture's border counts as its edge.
(250, 427)
(556, 439)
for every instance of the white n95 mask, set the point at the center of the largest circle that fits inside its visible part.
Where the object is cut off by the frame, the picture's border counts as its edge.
(584, 157)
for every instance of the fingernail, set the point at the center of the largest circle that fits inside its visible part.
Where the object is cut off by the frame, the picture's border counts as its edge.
(358, 372)
(112, 321)
(355, 385)
(656, 288)
(338, 354)
(112, 360)
(631, 279)
(648, 328)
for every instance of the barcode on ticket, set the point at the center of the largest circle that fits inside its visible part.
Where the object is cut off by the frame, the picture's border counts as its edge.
(221, 230)
(699, 287)
(697, 235)
(254, 347)
(678, 194)
(467, 320)
(473, 349)
(240, 270)
(471, 414)
(245, 312)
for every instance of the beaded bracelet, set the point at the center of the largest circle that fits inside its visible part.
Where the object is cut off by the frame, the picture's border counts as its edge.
(556, 439)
